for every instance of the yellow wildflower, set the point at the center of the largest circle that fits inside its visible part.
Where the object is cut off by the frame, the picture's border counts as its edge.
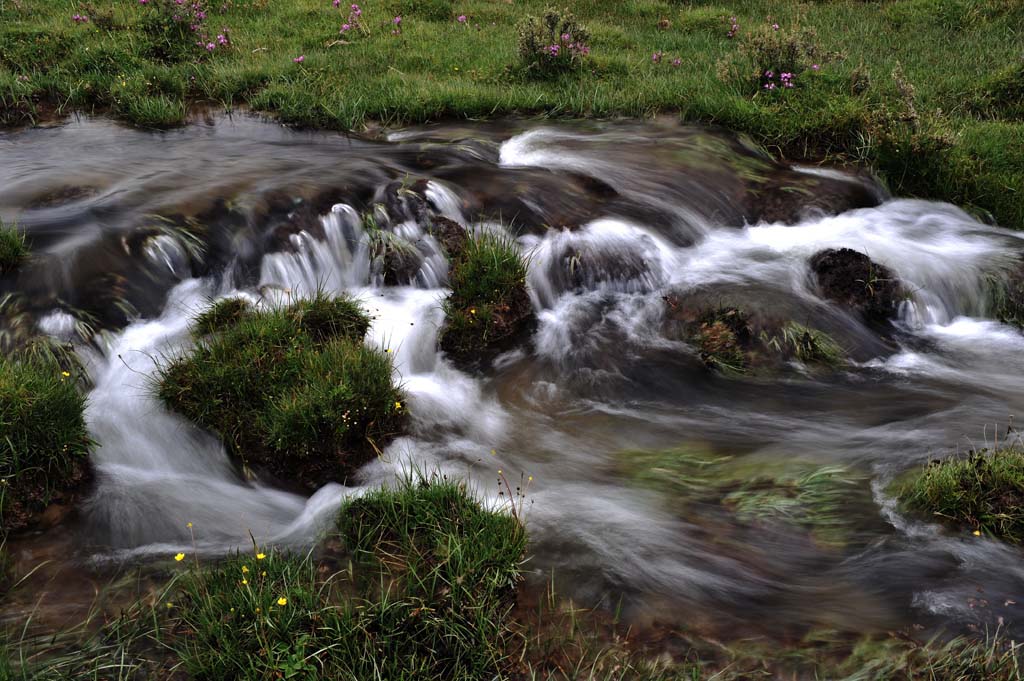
(189, 526)
(977, 533)
(244, 582)
(282, 601)
(245, 568)
(260, 556)
(170, 605)
(179, 557)
(65, 374)
(398, 405)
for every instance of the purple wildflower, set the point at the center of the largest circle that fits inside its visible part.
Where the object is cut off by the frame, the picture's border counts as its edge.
(462, 18)
(301, 58)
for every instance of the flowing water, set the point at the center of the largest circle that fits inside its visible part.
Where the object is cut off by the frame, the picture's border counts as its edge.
(138, 232)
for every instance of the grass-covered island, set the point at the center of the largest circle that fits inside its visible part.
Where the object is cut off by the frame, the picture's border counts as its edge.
(930, 93)
(294, 392)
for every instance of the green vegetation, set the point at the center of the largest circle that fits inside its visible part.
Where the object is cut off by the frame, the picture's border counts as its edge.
(489, 305)
(292, 390)
(817, 499)
(983, 492)
(427, 595)
(728, 340)
(927, 92)
(44, 444)
(13, 249)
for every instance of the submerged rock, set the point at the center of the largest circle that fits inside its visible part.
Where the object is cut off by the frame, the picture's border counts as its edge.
(733, 340)
(851, 279)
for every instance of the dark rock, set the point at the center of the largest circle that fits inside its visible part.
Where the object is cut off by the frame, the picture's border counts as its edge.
(853, 280)
(450, 235)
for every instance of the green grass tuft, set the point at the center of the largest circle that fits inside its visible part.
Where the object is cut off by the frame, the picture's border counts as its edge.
(292, 390)
(983, 492)
(44, 444)
(13, 249)
(489, 304)
(436, 577)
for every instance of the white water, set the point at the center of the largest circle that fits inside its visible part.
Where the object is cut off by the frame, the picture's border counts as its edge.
(598, 377)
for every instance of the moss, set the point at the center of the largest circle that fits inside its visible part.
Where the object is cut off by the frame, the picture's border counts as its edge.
(293, 391)
(723, 337)
(44, 445)
(13, 249)
(488, 307)
(814, 498)
(983, 492)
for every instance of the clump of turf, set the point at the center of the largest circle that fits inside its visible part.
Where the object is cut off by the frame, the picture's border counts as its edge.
(435, 580)
(44, 444)
(983, 492)
(488, 307)
(13, 249)
(293, 391)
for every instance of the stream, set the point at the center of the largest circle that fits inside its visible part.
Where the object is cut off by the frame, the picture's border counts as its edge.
(136, 232)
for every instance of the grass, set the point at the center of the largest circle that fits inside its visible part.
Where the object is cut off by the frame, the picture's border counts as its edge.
(292, 390)
(13, 249)
(488, 305)
(942, 127)
(983, 492)
(44, 444)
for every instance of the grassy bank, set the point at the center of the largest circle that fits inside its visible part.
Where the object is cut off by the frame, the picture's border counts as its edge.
(420, 582)
(44, 444)
(927, 91)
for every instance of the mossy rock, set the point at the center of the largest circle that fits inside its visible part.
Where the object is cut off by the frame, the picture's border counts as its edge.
(821, 500)
(44, 449)
(982, 492)
(732, 341)
(1006, 296)
(293, 391)
(489, 309)
(851, 279)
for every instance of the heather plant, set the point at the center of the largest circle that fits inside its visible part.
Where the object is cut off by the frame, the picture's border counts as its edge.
(352, 24)
(178, 30)
(552, 44)
(774, 58)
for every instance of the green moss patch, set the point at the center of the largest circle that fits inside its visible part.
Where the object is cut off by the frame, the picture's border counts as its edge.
(983, 492)
(436, 578)
(488, 307)
(44, 444)
(293, 391)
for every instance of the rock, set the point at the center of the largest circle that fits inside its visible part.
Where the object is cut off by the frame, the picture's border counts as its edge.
(853, 280)
(450, 235)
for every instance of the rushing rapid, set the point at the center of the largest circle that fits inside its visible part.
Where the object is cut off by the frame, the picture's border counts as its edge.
(139, 232)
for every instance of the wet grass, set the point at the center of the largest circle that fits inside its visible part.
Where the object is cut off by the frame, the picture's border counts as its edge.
(44, 444)
(14, 250)
(983, 492)
(943, 126)
(488, 304)
(291, 390)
